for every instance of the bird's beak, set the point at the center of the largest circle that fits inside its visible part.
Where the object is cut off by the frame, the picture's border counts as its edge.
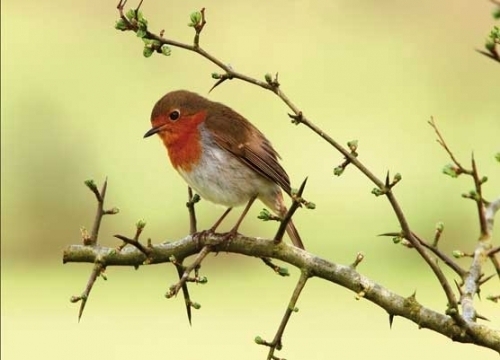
(152, 131)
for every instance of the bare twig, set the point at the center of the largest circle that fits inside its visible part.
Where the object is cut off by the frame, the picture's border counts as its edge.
(192, 200)
(441, 142)
(96, 271)
(100, 196)
(277, 269)
(442, 256)
(296, 202)
(479, 198)
(174, 289)
(277, 343)
(135, 243)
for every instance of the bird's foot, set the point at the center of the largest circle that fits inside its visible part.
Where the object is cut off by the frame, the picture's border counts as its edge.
(204, 233)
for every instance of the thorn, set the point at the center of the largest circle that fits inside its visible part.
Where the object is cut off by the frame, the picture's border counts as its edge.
(387, 182)
(458, 288)
(223, 78)
(390, 234)
(486, 279)
(302, 187)
(413, 296)
(296, 118)
(391, 319)
(478, 316)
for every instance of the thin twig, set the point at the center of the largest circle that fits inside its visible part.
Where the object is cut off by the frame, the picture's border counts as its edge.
(100, 196)
(296, 202)
(192, 200)
(441, 142)
(277, 343)
(174, 289)
(135, 243)
(96, 271)
(441, 255)
(479, 199)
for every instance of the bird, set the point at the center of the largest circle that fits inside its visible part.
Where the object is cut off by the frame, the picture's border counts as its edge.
(221, 155)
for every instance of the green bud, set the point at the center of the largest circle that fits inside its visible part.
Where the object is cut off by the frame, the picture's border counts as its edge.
(497, 156)
(377, 192)
(338, 170)
(352, 145)
(112, 211)
(490, 45)
(147, 51)
(483, 180)
(269, 78)
(295, 309)
(203, 280)
(440, 226)
(495, 33)
(165, 50)
(310, 205)
(216, 76)
(130, 14)
(140, 224)
(457, 254)
(397, 239)
(143, 23)
(195, 305)
(397, 177)
(121, 25)
(141, 33)
(282, 271)
(496, 13)
(259, 341)
(450, 170)
(195, 18)
(196, 198)
(91, 185)
(264, 215)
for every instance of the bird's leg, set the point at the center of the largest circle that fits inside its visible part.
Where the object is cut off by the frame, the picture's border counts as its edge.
(217, 223)
(234, 230)
(214, 226)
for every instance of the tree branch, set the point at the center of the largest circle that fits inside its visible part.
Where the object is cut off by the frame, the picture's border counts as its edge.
(345, 276)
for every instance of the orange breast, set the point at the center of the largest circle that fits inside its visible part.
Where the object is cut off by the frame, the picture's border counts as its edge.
(183, 141)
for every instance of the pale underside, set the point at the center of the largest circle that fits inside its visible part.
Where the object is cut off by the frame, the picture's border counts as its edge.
(221, 178)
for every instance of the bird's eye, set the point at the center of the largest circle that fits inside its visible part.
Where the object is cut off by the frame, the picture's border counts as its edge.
(174, 115)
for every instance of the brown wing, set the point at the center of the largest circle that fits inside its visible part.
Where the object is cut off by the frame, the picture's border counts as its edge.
(247, 143)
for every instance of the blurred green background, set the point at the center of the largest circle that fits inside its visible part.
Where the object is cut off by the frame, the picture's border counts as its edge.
(76, 100)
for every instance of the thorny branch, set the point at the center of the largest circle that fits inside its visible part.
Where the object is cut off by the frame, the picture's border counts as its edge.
(345, 276)
(91, 241)
(472, 279)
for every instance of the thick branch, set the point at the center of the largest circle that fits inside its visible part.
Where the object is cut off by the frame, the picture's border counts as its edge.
(481, 254)
(342, 275)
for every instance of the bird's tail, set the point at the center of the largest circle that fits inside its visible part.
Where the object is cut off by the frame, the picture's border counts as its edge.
(292, 232)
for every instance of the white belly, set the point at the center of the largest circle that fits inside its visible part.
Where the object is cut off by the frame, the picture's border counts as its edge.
(222, 179)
